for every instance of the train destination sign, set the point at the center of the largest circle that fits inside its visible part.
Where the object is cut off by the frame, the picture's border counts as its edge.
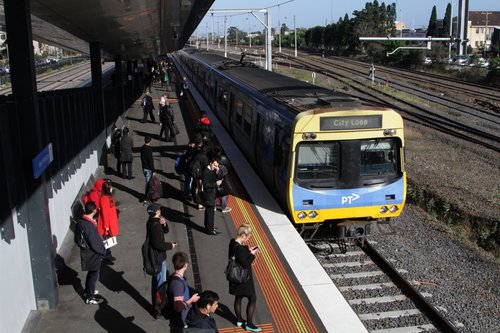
(350, 122)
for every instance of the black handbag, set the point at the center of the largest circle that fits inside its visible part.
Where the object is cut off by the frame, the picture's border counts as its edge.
(235, 273)
(176, 129)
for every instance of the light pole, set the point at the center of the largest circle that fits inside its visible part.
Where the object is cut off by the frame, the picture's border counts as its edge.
(485, 31)
(295, 33)
(279, 30)
(451, 32)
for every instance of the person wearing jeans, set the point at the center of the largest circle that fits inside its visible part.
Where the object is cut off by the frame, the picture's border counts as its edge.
(91, 251)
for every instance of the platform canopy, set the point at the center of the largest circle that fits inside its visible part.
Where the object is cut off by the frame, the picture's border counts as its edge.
(133, 29)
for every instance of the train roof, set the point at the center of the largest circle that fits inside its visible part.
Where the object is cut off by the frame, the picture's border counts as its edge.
(295, 94)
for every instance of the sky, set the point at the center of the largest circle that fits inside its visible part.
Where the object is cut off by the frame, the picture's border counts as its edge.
(310, 13)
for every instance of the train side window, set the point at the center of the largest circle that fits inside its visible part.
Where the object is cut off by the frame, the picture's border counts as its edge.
(238, 111)
(378, 157)
(247, 119)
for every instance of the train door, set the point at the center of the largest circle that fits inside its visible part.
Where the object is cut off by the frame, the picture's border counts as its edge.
(264, 147)
(280, 158)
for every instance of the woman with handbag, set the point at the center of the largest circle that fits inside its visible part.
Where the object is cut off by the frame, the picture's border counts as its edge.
(107, 223)
(245, 257)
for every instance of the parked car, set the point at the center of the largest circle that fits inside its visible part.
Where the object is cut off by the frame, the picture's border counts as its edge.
(483, 63)
(461, 60)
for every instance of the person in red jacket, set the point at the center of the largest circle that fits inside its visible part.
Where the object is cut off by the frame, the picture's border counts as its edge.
(95, 193)
(107, 224)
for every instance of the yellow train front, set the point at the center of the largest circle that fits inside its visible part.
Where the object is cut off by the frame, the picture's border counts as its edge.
(346, 169)
(334, 163)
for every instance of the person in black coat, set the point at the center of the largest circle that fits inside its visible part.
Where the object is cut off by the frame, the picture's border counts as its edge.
(147, 108)
(199, 314)
(92, 251)
(126, 156)
(210, 183)
(148, 166)
(245, 257)
(156, 228)
(167, 122)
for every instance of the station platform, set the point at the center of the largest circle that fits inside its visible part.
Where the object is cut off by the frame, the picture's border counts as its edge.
(294, 294)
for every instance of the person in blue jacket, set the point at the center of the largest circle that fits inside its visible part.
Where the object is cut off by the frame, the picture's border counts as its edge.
(200, 314)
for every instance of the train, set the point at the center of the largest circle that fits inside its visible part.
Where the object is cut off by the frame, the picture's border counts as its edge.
(333, 162)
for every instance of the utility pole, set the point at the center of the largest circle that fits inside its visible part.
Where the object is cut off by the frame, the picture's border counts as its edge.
(451, 32)
(207, 35)
(295, 33)
(225, 37)
(279, 30)
(485, 32)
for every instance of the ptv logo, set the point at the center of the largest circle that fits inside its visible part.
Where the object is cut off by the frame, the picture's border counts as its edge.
(349, 199)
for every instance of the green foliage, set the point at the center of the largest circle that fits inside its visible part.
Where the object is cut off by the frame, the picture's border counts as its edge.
(432, 29)
(343, 37)
(446, 22)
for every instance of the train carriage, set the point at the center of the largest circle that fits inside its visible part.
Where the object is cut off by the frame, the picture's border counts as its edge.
(329, 159)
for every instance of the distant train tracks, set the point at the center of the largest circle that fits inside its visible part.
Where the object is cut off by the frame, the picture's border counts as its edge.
(480, 129)
(378, 292)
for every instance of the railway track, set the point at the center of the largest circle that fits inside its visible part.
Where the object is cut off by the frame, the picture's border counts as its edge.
(384, 300)
(486, 97)
(444, 122)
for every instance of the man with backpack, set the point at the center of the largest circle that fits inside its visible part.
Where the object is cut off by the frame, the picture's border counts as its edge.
(195, 169)
(92, 251)
(147, 108)
(180, 299)
(156, 228)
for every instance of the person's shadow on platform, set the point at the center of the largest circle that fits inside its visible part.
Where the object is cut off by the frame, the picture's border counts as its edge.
(132, 192)
(114, 281)
(132, 118)
(112, 321)
(175, 216)
(224, 311)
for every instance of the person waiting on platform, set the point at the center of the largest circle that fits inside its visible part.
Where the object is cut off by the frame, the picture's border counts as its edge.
(180, 300)
(91, 251)
(210, 184)
(245, 257)
(107, 224)
(167, 121)
(126, 155)
(147, 108)
(147, 161)
(200, 314)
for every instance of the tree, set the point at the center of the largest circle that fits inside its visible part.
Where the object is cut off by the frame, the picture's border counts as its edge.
(432, 29)
(447, 21)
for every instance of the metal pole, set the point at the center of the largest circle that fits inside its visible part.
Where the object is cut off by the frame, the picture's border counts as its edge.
(269, 51)
(295, 33)
(207, 35)
(225, 37)
(279, 30)
(213, 28)
(451, 32)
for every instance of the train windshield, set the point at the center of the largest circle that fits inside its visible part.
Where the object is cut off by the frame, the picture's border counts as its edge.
(378, 157)
(318, 161)
(347, 163)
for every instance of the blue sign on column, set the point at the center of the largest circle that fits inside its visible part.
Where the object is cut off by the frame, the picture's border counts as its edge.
(42, 161)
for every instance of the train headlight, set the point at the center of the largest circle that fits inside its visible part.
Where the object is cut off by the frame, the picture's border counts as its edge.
(309, 136)
(384, 209)
(389, 132)
(301, 215)
(393, 209)
(313, 214)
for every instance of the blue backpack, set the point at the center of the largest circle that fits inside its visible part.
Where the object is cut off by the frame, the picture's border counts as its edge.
(180, 164)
